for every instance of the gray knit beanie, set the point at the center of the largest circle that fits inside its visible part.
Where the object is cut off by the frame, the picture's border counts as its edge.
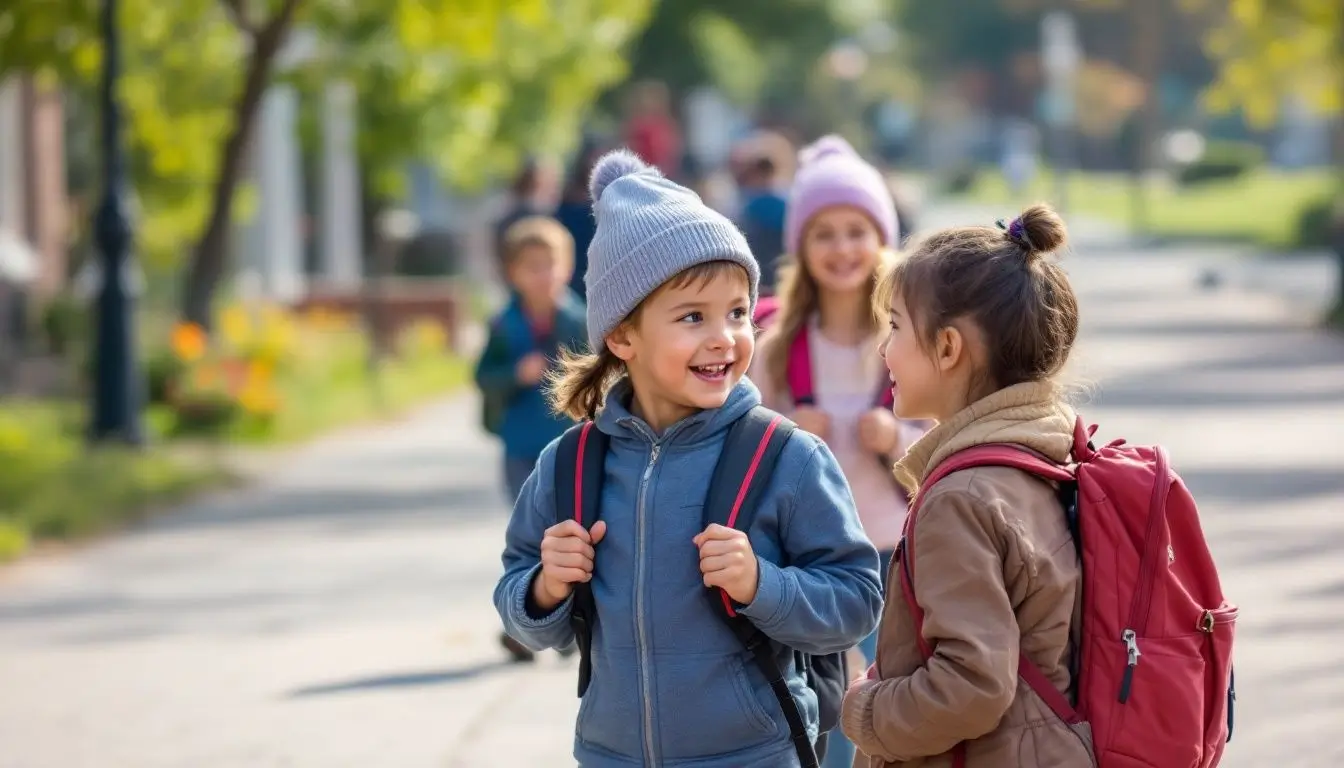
(649, 229)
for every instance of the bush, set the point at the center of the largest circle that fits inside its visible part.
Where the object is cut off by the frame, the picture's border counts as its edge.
(65, 325)
(1222, 161)
(1315, 224)
(961, 180)
(54, 486)
(268, 374)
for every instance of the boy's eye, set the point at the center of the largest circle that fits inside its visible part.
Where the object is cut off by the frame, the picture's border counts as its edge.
(738, 314)
(693, 317)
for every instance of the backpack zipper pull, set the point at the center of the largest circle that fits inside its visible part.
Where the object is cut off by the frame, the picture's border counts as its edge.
(1132, 654)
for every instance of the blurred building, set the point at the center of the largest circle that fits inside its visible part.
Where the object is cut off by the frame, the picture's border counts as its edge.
(32, 177)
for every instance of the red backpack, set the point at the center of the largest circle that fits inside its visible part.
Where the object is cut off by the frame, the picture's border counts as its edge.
(1153, 671)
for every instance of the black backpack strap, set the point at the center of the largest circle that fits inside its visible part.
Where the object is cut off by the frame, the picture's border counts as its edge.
(750, 453)
(579, 471)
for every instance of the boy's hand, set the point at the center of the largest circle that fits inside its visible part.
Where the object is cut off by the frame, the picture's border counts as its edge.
(880, 432)
(566, 559)
(813, 420)
(531, 368)
(727, 562)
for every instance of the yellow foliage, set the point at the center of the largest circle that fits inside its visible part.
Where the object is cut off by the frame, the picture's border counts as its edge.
(1270, 49)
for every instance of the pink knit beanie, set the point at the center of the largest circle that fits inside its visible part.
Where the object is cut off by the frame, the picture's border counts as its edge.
(831, 173)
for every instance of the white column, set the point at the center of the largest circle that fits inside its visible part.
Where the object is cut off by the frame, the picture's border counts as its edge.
(275, 253)
(342, 238)
(11, 157)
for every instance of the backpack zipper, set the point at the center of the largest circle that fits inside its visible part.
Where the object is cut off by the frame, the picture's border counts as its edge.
(1143, 589)
(1132, 654)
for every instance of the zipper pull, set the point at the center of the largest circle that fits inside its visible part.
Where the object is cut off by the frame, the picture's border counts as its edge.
(1132, 655)
(656, 448)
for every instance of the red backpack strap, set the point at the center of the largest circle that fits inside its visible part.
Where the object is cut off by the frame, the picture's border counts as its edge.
(981, 456)
(750, 452)
(580, 461)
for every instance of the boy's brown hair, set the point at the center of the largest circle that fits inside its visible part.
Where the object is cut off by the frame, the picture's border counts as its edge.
(1000, 279)
(537, 231)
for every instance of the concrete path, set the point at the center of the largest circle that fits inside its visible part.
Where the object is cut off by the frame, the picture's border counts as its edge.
(338, 614)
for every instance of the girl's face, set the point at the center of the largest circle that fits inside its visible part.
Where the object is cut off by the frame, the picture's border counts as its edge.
(841, 247)
(916, 376)
(690, 346)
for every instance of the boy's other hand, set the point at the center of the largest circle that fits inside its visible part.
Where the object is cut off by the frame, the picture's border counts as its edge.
(728, 562)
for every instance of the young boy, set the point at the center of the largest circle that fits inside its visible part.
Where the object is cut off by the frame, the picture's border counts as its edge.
(542, 316)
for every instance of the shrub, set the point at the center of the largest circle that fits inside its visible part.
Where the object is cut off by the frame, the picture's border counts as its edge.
(1222, 161)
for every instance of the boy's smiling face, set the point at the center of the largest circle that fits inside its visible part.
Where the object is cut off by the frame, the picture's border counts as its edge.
(688, 344)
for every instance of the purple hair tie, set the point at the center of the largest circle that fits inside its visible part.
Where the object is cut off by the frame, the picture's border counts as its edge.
(1017, 232)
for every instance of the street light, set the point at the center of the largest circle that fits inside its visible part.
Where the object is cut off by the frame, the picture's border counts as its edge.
(117, 390)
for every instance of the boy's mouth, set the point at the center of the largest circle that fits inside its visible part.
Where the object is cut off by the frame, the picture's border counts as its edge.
(715, 372)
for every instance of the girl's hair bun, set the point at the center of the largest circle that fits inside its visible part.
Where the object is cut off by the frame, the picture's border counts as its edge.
(1039, 231)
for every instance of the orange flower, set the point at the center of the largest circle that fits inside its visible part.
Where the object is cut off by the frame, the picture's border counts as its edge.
(188, 342)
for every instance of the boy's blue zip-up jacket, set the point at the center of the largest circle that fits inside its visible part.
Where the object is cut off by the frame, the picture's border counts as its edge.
(528, 422)
(671, 684)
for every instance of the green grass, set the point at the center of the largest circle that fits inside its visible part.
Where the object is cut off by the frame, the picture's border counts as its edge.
(349, 394)
(1261, 208)
(53, 486)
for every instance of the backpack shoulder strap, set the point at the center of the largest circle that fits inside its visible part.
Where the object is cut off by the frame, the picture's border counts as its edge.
(579, 461)
(798, 372)
(579, 471)
(750, 452)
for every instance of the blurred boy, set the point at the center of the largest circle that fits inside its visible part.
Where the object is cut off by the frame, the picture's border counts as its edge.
(542, 316)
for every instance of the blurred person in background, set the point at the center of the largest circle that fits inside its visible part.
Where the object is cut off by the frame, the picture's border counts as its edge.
(651, 130)
(761, 214)
(575, 211)
(542, 317)
(531, 194)
(817, 358)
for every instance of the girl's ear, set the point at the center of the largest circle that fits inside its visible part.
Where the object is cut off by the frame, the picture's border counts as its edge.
(949, 347)
(618, 341)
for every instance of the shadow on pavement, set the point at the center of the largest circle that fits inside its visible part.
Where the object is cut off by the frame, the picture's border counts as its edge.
(405, 680)
(1263, 485)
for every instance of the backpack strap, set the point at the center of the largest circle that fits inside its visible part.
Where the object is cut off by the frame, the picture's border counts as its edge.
(999, 455)
(579, 472)
(798, 371)
(748, 459)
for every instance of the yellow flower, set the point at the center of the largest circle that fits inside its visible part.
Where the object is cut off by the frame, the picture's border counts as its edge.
(259, 399)
(188, 342)
(235, 326)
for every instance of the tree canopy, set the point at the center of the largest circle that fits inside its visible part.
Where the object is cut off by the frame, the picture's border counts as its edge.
(466, 85)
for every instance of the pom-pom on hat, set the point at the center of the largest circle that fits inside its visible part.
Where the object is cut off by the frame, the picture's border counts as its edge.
(649, 229)
(831, 173)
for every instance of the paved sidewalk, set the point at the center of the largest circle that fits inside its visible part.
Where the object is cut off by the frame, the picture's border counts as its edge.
(339, 614)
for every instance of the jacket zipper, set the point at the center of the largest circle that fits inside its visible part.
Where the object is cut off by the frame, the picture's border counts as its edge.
(1143, 594)
(640, 630)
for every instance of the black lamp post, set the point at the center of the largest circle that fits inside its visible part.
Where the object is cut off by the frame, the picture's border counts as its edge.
(117, 392)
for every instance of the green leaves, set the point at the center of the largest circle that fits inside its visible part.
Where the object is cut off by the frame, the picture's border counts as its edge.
(467, 85)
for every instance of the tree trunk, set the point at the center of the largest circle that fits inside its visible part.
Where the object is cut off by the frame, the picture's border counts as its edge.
(1146, 27)
(210, 255)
